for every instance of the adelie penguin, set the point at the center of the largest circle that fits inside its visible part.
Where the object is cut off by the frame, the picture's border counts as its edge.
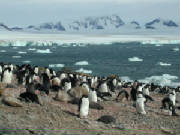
(45, 83)
(85, 85)
(7, 75)
(92, 95)
(29, 95)
(170, 100)
(140, 103)
(125, 95)
(66, 84)
(83, 106)
(134, 92)
(103, 87)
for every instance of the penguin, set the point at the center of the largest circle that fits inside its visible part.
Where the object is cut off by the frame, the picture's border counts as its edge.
(11, 66)
(67, 86)
(126, 95)
(7, 75)
(112, 82)
(134, 92)
(146, 90)
(170, 100)
(47, 71)
(102, 95)
(36, 70)
(103, 87)
(30, 87)
(45, 83)
(62, 76)
(140, 104)
(91, 82)
(171, 107)
(66, 83)
(172, 96)
(92, 95)
(29, 95)
(1, 70)
(85, 85)
(83, 106)
(55, 83)
(29, 78)
(52, 72)
(21, 76)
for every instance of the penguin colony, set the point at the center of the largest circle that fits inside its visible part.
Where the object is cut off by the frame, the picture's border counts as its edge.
(84, 90)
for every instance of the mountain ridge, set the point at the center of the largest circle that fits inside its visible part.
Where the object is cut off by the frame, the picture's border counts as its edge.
(102, 24)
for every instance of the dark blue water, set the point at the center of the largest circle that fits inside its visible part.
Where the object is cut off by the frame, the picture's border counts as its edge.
(104, 59)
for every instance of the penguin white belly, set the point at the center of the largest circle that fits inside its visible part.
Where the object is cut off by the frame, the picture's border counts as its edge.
(140, 88)
(146, 91)
(84, 107)
(92, 96)
(114, 82)
(103, 88)
(92, 82)
(7, 77)
(62, 76)
(140, 106)
(0, 70)
(84, 79)
(36, 70)
(173, 98)
(67, 86)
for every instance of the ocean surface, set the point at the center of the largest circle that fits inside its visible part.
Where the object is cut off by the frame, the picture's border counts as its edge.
(147, 62)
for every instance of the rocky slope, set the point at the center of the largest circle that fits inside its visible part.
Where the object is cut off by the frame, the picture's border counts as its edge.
(59, 118)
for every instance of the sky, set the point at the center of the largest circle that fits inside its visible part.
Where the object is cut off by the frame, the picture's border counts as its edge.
(27, 12)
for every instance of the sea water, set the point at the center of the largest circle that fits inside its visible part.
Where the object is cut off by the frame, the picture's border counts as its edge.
(148, 62)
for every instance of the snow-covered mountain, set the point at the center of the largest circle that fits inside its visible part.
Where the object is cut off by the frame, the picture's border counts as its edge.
(104, 24)
(159, 23)
(4, 27)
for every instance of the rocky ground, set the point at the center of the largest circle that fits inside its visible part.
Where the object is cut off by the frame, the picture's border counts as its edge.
(58, 118)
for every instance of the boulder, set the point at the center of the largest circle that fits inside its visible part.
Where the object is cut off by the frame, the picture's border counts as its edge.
(11, 101)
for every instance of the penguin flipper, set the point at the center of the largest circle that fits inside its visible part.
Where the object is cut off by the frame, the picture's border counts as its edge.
(148, 97)
(79, 104)
(125, 92)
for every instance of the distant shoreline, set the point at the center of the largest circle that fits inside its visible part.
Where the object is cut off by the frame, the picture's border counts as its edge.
(85, 38)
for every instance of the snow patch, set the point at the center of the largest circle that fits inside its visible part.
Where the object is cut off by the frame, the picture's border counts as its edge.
(44, 51)
(164, 64)
(160, 42)
(2, 51)
(56, 65)
(17, 57)
(82, 70)
(176, 49)
(32, 49)
(135, 59)
(20, 52)
(82, 63)
(27, 61)
(158, 45)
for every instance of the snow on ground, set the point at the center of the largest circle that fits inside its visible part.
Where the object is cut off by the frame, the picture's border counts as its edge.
(21, 39)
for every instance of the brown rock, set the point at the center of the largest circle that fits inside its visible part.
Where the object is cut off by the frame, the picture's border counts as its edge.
(77, 92)
(11, 101)
(2, 87)
(63, 96)
(167, 131)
